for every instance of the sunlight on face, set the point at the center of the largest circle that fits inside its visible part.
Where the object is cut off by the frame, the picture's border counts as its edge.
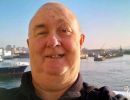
(54, 42)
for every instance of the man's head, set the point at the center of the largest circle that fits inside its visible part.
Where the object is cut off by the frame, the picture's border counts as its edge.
(54, 42)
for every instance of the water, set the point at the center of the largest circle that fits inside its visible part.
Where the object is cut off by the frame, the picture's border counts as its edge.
(114, 73)
(9, 81)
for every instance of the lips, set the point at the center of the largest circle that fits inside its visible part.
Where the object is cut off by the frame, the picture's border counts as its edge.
(55, 56)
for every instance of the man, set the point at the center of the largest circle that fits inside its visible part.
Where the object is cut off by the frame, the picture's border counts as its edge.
(54, 42)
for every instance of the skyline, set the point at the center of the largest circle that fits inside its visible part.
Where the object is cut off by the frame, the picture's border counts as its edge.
(106, 24)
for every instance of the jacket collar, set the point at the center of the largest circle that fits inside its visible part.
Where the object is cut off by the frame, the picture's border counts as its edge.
(74, 90)
(27, 87)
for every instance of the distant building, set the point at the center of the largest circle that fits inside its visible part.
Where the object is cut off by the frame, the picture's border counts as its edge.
(94, 52)
(8, 48)
(7, 54)
(1, 51)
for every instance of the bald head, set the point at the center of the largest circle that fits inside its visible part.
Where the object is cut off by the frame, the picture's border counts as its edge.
(54, 11)
(54, 47)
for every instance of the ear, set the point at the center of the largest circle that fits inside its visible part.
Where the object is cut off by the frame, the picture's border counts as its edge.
(82, 38)
(28, 42)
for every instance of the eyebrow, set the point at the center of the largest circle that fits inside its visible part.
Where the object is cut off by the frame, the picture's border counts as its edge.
(39, 26)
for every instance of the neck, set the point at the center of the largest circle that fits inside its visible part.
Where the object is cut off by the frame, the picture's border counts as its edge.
(53, 88)
(49, 95)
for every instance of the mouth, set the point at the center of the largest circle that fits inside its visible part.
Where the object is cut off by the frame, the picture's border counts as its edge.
(57, 56)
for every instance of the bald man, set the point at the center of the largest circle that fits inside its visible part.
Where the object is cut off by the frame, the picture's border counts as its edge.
(54, 42)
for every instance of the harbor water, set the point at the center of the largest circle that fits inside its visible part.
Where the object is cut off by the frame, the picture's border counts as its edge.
(114, 73)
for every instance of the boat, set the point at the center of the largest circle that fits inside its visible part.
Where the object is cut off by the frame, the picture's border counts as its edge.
(21, 55)
(7, 55)
(17, 69)
(114, 53)
(1, 59)
(83, 56)
(99, 58)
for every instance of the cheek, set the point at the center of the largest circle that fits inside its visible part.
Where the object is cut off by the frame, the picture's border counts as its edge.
(36, 45)
(36, 49)
(35, 53)
(71, 45)
(72, 48)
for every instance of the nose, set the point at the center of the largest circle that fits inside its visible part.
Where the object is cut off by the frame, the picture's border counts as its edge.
(53, 41)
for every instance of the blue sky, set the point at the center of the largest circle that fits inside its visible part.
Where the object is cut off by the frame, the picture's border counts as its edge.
(106, 23)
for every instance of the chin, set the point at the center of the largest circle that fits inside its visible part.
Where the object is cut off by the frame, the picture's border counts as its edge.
(53, 73)
(56, 71)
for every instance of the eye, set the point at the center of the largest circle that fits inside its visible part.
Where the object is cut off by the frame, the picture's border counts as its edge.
(65, 30)
(42, 33)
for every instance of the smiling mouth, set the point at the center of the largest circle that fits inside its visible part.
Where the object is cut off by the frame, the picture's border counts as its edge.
(57, 56)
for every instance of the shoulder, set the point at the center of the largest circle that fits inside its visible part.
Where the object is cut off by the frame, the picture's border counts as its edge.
(95, 93)
(9, 91)
(9, 94)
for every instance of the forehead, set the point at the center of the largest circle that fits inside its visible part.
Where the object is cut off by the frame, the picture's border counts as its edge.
(50, 15)
(53, 14)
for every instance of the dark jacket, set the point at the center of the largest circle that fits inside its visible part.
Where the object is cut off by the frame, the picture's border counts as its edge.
(78, 91)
